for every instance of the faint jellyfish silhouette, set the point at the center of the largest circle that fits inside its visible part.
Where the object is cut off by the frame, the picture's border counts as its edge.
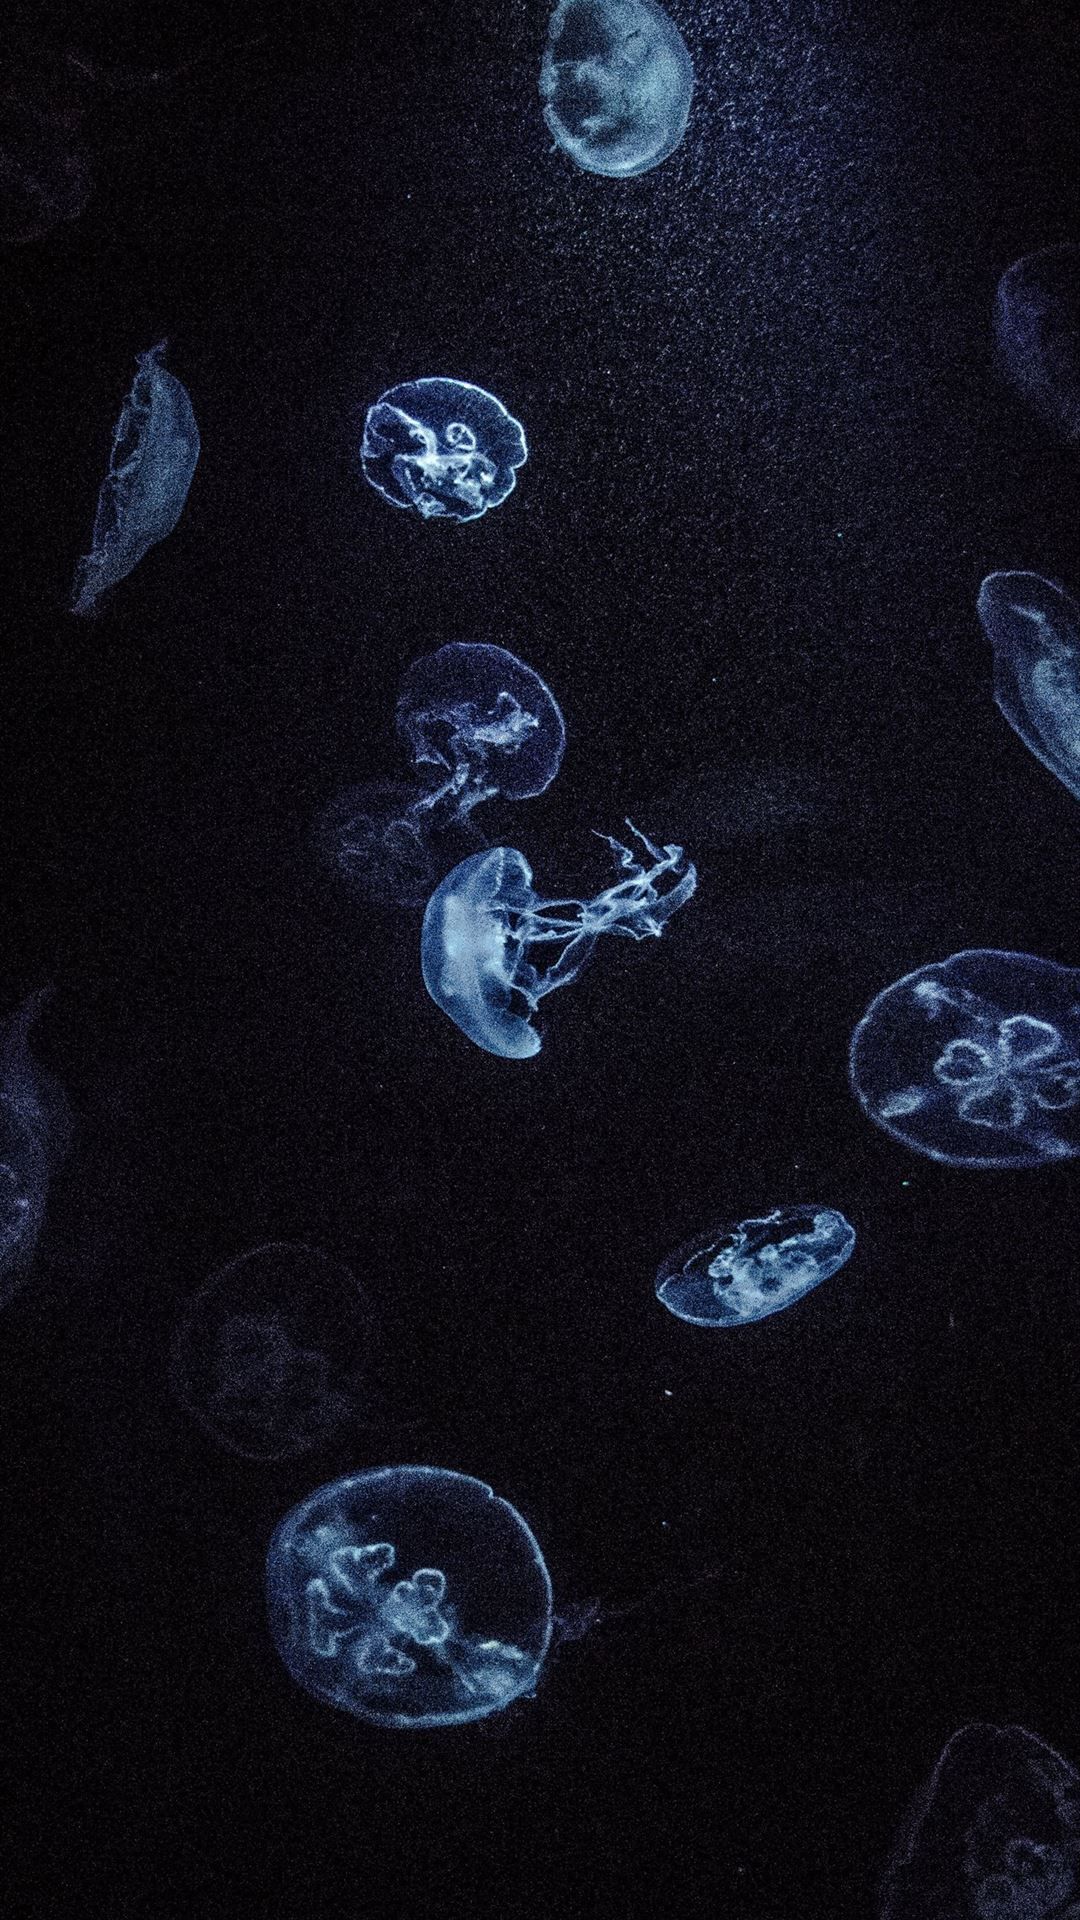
(274, 1353)
(444, 448)
(975, 1060)
(387, 850)
(481, 923)
(409, 1596)
(993, 1835)
(616, 82)
(749, 1269)
(34, 1133)
(46, 175)
(1033, 626)
(155, 448)
(1037, 324)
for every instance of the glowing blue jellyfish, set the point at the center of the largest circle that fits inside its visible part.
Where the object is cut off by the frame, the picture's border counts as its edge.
(747, 1270)
(1034, 628)
(155, 448)
(616, 82)
(444, 448)
(975, 1060)
(34, 1133)
(482, 922)
(993, 1835)
(1037, 323)
(410, 1596)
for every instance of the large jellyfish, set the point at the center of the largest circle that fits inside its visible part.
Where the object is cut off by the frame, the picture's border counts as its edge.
(746, 1270)
(1033, 626)
(975, 1060)
(616, 81)
(34, 1133)
(1037, 323)
(409, 1596)
(444, 448)
(485, 920)
(993, 1835)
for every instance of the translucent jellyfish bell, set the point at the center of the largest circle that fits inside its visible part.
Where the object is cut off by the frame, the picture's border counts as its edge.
(748, 1270)
(975, 1060)
(34, 1133)
(485, 921)
(1033, 626)
(409, 1596)
(616, 82)
(481, 723)
(1037, 324)
(444, 448)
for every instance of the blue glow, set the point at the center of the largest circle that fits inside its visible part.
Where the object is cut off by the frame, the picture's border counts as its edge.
(616, 82)
(444, 448)
(1037, 323)
(34, 1132)
(409, 1596)
(975, 1060)
(1034, 628)
(748, 1270)
(155, 448)
(481, 923)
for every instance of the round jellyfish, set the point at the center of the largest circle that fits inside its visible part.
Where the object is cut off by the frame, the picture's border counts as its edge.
(444, 448)
(1037, 325)
(481, 723)
(484, 922)
(747, 1270)
(975, 1060)
(1033, 626)
(616, 82)
(409, 1596)
(273, 1354)
(34, 1133)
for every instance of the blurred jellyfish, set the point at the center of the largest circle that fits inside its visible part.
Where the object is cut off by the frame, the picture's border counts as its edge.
(46, 175)
(409, 1596)
(1037, 324)
(481, 923)
(993, 1835)
(443, 447)
(975, 1060)
(1034, 628)
(274, 1353)
(155, 448)
(34, 1133)
(745, 1271)
(616, 81)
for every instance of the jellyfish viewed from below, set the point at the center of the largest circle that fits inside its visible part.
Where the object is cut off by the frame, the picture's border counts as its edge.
(749, 1269)
(616, 82)
(1033, 626)
(975, 1060)
(993, 1835)
(1037, 324)
(155, 449)
(485, 929)
(409, 1596)
(444, 448)
(34, 1133)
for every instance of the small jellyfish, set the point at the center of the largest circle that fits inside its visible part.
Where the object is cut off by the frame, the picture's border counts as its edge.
(993, 1835)
(747, 1270)
(481, 923)
(409, 1596)
(975, 1060)
(1037, 324)
(1033, 626)
(444, 448)
(34, 1133)
(616, 81)
(155, 448)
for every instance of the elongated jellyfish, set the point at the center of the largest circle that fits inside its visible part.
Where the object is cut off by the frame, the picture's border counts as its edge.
(616, 81)
(1037, 324)
(443, 448)
(748, 1269)
(1033, 626)
(34, 1133)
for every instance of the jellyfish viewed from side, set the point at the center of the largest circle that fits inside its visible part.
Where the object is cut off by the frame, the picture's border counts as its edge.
(1033, 626)
(485, 928)
(749, 1269)
(34, 1133)
(409, 1596)
(975, 1060)
(616, 82)
(1037, 324)
(444, 448)
(155, 449)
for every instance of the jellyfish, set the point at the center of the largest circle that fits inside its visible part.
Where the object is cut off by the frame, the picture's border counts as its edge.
(1037, 324)
(409, 1596)
(154, 451)
(273, 1354)
(993, 1835)
(34, 1134)
(444, 448)
(616, 81)
(747, 1270)
(1033, 626)
(481, 923)
(975, 1060)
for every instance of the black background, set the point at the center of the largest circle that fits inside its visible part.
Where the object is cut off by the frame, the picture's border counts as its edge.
(770, 460)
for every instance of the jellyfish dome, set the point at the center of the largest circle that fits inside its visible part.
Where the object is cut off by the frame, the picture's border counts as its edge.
(616, 81)
(35, 1129)
(409, 1596)
(750, 1269)
(481, 723)
(1033, 626)
(1037, 324)
(444, 448)
(975, 1060)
